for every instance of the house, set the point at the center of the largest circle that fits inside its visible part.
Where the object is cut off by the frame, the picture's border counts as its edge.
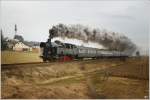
(19, 46)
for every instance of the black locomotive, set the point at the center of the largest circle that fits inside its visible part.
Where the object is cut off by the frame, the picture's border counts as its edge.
(65, 51)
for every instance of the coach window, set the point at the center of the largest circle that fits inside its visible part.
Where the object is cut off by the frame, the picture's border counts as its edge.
(67, 46)
(79, 51)
(72, 47)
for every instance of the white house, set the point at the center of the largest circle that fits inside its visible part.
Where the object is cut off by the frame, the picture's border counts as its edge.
(19, 46)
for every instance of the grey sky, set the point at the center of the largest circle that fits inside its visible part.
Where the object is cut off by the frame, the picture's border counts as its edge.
(34, 18)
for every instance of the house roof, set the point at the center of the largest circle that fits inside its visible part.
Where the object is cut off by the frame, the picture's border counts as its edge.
(20, 45)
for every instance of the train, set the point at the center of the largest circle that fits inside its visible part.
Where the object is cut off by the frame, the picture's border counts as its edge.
(57, 50)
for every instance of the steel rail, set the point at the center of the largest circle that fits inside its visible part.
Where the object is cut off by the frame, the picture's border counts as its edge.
(31, 64)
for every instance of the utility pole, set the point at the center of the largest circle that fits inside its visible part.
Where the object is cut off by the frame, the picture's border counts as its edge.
(50, 37)
(1, 31)
(15, 29)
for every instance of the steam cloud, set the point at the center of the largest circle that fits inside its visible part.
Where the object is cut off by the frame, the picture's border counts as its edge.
(110, 40)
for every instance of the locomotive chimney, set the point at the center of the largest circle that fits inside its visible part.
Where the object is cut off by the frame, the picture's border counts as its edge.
(15, 29)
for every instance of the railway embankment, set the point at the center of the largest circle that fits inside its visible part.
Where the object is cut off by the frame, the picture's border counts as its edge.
(103, 78)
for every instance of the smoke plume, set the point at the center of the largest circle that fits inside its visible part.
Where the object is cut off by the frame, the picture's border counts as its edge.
(110, 40)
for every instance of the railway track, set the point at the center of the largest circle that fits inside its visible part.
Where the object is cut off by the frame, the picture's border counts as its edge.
(39, 64)
(21, 63)
(43, 64)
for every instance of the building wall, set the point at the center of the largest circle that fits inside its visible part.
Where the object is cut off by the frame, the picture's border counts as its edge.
(21, 47)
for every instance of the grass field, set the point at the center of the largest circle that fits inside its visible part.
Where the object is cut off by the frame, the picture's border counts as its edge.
(9, 57)
(102, 78)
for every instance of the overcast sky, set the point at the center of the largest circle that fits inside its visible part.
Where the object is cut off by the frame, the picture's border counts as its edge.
(35, 18)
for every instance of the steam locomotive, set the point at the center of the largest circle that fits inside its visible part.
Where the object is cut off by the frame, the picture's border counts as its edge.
(65, 51)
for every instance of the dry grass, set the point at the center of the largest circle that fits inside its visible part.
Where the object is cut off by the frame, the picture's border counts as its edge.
(134, 68)
(122, 88)
(9, 57)
(79, 80)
